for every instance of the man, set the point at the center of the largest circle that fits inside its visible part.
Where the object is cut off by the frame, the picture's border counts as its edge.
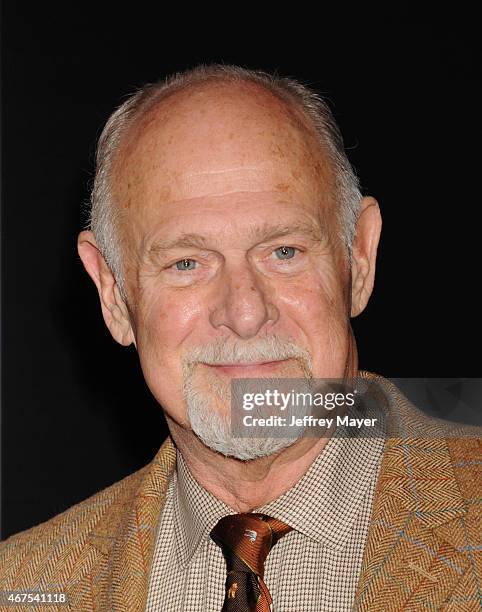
(229, 240)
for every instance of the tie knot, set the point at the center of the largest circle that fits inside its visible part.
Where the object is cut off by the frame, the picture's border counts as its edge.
(248, 538)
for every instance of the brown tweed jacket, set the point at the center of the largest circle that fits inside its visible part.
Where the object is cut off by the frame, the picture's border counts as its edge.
(423, 552)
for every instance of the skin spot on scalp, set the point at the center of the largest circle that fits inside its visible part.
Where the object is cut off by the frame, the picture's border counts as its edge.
(165, 193)
(278, 151)
(282, 186)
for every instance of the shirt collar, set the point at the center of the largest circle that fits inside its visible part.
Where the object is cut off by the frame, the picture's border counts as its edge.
(325, 503)
(317, 506)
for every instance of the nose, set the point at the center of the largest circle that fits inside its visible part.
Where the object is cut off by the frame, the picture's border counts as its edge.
(243, 305)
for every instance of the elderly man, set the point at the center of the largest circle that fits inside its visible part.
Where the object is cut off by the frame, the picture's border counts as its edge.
(229, 240)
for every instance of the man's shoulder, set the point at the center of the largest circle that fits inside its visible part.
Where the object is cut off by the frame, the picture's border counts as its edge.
(427, 455)
(426, 510)
(404, 419)
(53, 541)
(77, 521)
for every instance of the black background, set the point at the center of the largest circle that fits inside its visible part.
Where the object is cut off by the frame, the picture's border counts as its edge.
(405, 89)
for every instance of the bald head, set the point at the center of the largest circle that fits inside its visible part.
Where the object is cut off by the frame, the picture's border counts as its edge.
(203, 135)
(215, 139)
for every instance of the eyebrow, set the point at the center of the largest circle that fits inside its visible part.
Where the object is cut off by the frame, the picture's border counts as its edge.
(260, 233)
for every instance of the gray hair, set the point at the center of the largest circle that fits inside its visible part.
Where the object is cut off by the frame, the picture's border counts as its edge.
(104, 214)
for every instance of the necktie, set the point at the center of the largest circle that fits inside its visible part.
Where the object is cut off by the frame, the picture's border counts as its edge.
(246, 540)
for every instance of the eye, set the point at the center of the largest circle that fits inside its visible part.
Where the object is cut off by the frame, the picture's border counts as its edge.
(185, 264)
(285, 252)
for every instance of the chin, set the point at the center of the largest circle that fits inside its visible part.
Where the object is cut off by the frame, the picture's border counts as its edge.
(245, 449)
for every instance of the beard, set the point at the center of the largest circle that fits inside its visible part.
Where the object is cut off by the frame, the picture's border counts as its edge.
(208, 396)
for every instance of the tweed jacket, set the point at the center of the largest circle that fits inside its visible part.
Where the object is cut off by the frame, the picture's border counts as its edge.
(423, 549)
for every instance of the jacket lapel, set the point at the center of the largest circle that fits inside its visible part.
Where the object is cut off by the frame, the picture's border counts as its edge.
(411, 558)
(116, 565)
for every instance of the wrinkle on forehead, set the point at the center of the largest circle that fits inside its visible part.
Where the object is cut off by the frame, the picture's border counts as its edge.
(221, 182)
(211, 172)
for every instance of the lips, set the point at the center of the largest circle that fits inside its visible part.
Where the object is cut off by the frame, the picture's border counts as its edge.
(247, 369)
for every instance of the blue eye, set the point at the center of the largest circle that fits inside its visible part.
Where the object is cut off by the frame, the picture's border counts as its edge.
(287, 252)
(185, 264)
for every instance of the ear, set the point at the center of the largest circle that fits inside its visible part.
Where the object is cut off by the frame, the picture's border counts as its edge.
(364, 254)
(114, 309)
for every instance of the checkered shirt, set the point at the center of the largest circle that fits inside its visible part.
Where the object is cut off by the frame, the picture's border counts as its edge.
(314, 568)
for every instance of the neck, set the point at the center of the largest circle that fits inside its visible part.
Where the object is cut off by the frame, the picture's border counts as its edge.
(245, 485)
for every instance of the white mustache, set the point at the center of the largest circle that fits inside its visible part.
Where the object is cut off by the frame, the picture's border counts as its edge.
(271, 348)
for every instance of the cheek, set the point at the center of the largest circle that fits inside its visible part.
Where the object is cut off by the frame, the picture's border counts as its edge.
(317, 298)
(316, 308)
(166, 321)
(163, 325)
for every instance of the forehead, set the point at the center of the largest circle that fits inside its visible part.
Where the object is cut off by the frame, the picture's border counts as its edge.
(215, 139)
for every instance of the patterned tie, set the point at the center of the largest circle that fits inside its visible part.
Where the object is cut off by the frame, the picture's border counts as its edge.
(246, 540)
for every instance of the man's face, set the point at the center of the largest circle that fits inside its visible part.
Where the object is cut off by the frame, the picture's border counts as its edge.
(230, 246)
